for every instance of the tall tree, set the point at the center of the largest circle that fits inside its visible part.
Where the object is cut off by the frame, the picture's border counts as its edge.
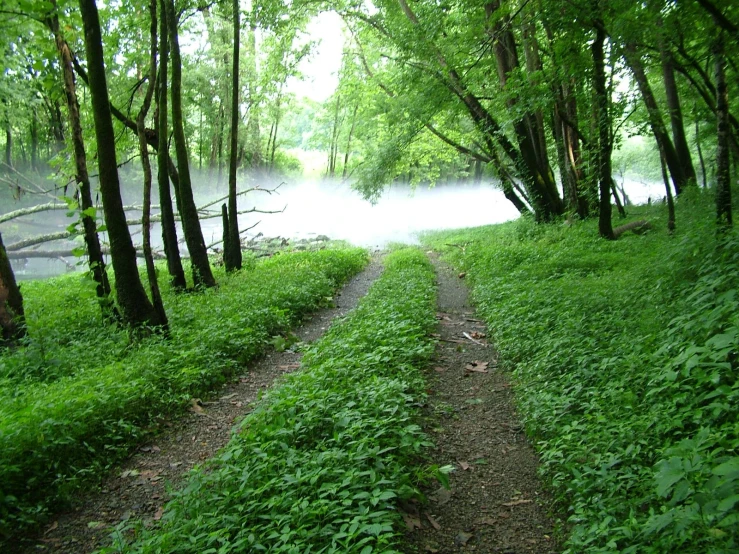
(94, 252)
(202, 274)
(169, 229)
(156, 296)
(605, 226)
(723, 167)
(232, 247)
(12, 317)
(135, 306)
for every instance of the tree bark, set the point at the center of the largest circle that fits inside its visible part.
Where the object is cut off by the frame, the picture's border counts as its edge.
(605, 226)
(169, 228)
(135, 306)
(12, 316)
(232, 248)
(202, 274)
(679, 179)
(723, 167)
(94, 253)
(151, 272)
(668, 194)
(682, 149)
(349, 142)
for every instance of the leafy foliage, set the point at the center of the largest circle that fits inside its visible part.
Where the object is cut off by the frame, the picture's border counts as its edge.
(624, 356)
(318, 465)
(76, 396)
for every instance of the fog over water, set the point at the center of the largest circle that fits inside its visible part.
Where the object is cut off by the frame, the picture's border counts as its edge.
(313, 208)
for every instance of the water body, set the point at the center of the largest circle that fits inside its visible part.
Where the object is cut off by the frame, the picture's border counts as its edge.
(317, 207)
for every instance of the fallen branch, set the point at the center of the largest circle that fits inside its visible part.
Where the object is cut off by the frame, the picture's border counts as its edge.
(49, 206)
(637, 226)
(211, 245)
(29, 254)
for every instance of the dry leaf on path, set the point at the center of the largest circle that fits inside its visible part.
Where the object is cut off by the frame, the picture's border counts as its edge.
(464, 465)
(159, 513)
(462, 538)
(195, 405)
(229, 396)
(462, 275)
(412, 522)
(433, 522)
(517, 502)
(442, 496)
(440, 369)
(477, 367)
(51, 527)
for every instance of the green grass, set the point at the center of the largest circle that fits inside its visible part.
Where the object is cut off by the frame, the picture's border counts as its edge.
(624, 360)
(319, 464)
(80, 393)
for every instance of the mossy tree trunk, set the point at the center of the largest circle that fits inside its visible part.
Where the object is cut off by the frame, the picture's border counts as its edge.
(723, 130)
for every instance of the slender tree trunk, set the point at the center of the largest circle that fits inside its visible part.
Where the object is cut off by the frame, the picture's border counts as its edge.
(700, 154)
(202, 274)
(617, 199)
(8, 143)
(132, 300)
(349, 142)
(169, 228)
(605, 226)
(659, 130)
(12, 317)
(151, 272)
(232, 249)
(94, 252)
(668, 194)
(34, 141)
(723, 168)
(676, 116)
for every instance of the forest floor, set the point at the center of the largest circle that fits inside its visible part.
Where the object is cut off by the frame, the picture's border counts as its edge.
(495, 503)
(138, 489)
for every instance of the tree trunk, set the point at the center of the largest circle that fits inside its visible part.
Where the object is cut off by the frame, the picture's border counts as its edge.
(169, 228)
(151, 272)
(723, 168)
(8, 143)
(232, 249)
(12, 317)
(533, 162)
(605, 226)
(700, 154)
(132, 300)
(94, 253)
(202, 274)
(668, 194)
(659, 130)
(34, 141)
(349, 142)
(676, 116)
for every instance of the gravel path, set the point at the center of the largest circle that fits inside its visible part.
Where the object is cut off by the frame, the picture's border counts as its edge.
(138, 488)
(496, 503)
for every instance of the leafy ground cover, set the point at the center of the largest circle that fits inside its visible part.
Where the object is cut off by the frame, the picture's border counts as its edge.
(624, 358)
(320, 463)
(80, 393)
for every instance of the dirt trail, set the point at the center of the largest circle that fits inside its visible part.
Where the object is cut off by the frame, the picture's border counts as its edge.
(138, 488)
(496, 504)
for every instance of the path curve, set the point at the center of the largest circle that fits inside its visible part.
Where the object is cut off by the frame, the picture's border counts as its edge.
(137, 489)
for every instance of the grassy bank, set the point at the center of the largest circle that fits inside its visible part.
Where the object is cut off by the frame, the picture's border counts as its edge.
(624, 359)
(319, 464)
(80, 393)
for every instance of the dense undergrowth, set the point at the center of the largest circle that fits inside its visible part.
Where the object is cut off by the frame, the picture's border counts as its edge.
(624, 358)
(320, 462)
(80, 393)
